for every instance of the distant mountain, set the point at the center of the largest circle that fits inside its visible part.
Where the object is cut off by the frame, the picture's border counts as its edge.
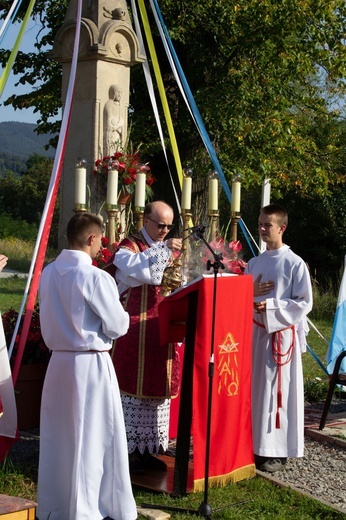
(17, 142)
(20, 139)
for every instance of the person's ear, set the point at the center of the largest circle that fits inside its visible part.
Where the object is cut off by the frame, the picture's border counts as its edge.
(90, 240)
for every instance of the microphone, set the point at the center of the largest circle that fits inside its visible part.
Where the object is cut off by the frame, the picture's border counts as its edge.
(198, 230)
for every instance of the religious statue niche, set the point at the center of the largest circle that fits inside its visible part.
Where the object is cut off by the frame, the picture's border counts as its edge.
(113, 121)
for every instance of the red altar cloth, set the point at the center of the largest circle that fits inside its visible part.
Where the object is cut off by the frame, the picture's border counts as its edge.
(231, 451)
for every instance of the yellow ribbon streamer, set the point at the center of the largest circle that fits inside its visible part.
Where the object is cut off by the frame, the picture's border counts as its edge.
(162, 91)
(13, 55)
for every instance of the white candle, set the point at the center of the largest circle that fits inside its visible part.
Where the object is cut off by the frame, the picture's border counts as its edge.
(235, 203)
(186, 193)
(213, 194)
(140, 190)
(80, 186)
(112, 188)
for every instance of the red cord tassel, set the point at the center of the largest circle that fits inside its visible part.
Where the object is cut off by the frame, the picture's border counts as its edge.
(279, 399)
(277, 425)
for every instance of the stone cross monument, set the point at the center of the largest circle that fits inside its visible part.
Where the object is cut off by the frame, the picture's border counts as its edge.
(108, 47)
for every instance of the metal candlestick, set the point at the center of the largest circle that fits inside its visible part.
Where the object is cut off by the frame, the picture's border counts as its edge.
(235, 217)
(186, 217)
(139, 213)
(112, 211)
(79, 208)
(213, 218)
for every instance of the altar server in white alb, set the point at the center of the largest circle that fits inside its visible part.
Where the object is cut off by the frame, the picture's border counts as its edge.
(283, 298)
(83, 466)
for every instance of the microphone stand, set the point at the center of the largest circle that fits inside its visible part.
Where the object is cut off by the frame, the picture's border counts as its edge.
(205, 510)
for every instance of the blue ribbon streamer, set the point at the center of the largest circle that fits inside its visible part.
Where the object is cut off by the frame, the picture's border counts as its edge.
(9, 20)
(194, 108)
(317, 359)
(199, 121)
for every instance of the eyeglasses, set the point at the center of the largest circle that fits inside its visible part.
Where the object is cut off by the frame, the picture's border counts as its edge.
(162, 226)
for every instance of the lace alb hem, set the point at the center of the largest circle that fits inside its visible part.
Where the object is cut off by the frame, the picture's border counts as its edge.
(146, 423)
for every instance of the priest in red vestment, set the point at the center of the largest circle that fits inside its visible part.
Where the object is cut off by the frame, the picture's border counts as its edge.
(147, 372)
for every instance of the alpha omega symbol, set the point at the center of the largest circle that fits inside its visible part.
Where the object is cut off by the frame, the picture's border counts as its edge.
(228, 367)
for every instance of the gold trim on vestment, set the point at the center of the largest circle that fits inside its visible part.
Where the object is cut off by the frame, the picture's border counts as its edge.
(170, 354)
(141, 338)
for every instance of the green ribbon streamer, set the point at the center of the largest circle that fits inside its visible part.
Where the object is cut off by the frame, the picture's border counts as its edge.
(13, 55)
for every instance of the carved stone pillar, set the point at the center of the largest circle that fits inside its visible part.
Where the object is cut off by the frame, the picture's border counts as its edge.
(108, 48)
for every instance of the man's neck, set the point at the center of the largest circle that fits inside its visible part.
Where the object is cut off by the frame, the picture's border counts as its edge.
(272, 246)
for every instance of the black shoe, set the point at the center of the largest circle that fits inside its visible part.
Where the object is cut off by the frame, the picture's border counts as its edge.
(136, 466)
(153, 462)
(259, 460)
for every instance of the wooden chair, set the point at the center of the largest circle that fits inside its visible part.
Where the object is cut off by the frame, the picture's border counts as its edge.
(335, 379)
(15, 508)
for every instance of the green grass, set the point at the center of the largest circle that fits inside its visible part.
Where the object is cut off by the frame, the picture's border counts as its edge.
(11, 293)
(18, 480)
(256, 498)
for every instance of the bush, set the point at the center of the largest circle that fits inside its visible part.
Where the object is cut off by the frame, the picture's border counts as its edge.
(17, 228)
(315, 390)
(325, 299)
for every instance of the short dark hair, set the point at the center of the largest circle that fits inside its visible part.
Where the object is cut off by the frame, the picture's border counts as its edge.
(279, 211)
(80, 226)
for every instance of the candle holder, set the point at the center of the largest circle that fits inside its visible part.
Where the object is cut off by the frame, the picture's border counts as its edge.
(112, 211)
(214, 221)
(235, 217)
(186, 217)
(78, 208)
(139, 216)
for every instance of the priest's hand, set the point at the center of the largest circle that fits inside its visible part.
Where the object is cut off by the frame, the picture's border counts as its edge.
(174, 244)
(262, 288)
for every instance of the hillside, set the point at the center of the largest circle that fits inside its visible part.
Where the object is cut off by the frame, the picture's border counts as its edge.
(18, 142)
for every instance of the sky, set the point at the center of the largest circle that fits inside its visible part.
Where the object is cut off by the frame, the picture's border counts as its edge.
(8, 113)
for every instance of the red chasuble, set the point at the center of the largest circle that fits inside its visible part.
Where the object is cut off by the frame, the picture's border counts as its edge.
(144, 368)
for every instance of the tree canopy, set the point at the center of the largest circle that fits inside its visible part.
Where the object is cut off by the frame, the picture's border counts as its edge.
(265, 75)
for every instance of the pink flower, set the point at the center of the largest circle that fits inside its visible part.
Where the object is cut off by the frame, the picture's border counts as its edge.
(235, 245)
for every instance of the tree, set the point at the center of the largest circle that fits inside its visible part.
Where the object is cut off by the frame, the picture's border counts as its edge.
(37, 69)
(29, 192)
(261, 72)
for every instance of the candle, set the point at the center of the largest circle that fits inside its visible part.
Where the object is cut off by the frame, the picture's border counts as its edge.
(213, 204)
(112, 187)
(186, 193)
(235, 203)
(80, 182)
(141, 179)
